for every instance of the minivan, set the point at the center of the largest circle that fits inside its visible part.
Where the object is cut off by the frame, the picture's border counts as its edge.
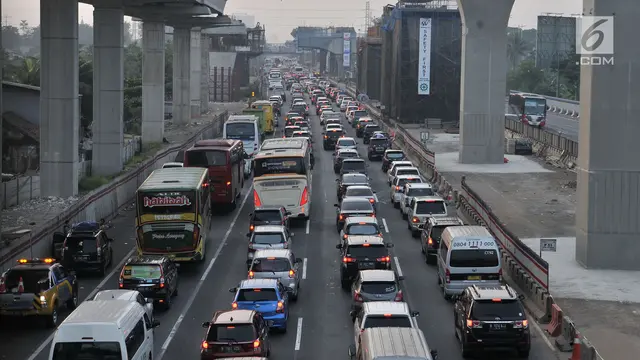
(468, 255)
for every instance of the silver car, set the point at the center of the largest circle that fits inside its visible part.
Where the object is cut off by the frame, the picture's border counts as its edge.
(375, 285)
(278, 264)
(362, 192)
(266, 237)
(127, 295)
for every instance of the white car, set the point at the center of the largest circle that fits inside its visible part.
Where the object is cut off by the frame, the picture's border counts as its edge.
(350, 112)
(413, 190)
(392, 169)
(345, 103)
(398, 185)
(346, 143)
(405, 170)
(127, 295)
(333, 126)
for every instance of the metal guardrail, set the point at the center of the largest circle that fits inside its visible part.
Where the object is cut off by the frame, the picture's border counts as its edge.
(560, 106)
(47, 229)
(544, 137)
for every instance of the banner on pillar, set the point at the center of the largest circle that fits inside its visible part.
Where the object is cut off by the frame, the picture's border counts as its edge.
(346, 50)
(424, 57)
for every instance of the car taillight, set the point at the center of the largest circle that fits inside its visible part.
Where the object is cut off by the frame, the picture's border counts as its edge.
(474, 324)
(430, 241)
(256, 344)
(250, 276)
(234, 305)
(280, 307)
(521, 324)
(205, 345)
(357, 297)
(251, 227)
(397, 188)
(256, 199)
(304, 199)
(415, 220)
(121, 279)
(292, 274)
(341, 217)
(447, 276)
(161, 282)
(398, 296)
(347, 259)
(196, 236)
(372, 201)
(384, 259)
(326, 137)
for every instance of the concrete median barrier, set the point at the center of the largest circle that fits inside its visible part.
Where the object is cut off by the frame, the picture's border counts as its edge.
(104, 202)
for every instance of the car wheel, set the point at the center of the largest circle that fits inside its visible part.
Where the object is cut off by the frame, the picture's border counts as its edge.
(73, 302)
(51, 321)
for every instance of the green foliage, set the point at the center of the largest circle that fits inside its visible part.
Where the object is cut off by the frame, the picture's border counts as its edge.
(89, 183)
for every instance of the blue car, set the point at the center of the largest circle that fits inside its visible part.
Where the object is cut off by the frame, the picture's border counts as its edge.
(266, 296)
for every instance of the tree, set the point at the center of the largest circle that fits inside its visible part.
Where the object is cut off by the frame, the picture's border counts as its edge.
(27, 71)
(11, 38)
(517, 48)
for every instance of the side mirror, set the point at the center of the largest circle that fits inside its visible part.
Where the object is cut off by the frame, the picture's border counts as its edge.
(415, 314)
(206, 324)
(337, 180)
(400, 278)
(298, 260)
(155, 324)
(288, 213)
(232, 290)
(250, 214)
(292, 234)
(149, 301)
(248, 234)
(336, 205)
(389, 245)
(353, 313)
(434, 354)
(339, 246)
(521, 297)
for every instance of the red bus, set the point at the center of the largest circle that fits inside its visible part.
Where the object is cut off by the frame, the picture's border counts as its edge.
(225, 160)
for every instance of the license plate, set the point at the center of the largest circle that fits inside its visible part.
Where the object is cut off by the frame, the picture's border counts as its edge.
(231, 349)
(498, 326)
(366, 265)
(379, 149)
(81, 257)
(474, 277)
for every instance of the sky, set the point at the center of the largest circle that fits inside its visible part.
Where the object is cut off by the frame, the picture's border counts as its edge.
(280, 16)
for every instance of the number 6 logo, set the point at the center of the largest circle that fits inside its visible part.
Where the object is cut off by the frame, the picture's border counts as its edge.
(590, 32)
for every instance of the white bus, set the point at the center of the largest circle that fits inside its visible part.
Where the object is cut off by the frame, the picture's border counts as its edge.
(282, 175)
(245, 128)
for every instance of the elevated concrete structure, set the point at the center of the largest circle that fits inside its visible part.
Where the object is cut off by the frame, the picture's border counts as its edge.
(59, 110)
(108, 89)
(483, 83)
(608, 210)
(195, 78)
(181, 75)
(153, 62)
(331, 41)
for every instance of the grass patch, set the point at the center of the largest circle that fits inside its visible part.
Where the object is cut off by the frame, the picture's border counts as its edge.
(90, 183)
(148, 150)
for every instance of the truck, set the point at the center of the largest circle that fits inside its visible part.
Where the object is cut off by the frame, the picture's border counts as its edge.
(265, 106)
(261, 115)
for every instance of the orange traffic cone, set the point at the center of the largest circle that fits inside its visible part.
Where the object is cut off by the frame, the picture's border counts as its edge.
(20, 285)
(575, 354)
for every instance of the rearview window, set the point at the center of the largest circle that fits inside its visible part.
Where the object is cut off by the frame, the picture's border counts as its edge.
(474, 258)
(142, 272)
(257, 295)
(374, 321)
(431, 207)
(235, 332)
(271, 265)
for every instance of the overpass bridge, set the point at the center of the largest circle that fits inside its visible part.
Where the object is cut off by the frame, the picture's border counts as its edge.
(337, 47)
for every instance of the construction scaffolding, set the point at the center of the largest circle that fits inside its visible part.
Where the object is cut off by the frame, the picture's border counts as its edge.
(555, 40)
(400, 57)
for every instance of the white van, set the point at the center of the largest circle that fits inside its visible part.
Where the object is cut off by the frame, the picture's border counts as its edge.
(115, 329)
(468, 255)
(245, 128)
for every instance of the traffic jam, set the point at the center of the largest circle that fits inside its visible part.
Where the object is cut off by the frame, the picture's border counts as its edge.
(301, 233)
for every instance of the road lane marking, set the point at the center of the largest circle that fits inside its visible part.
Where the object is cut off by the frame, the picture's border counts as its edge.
(398, 268)
(304, 269)
(118, 268)
(386, 227)
(194, 293)
(298, 334)
(308, 224)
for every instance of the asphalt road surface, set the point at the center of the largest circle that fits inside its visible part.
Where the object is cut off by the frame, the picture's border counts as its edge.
(319, 324)
(564, 125)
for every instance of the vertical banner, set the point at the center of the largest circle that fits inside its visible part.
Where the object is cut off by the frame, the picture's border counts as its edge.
(424, 57)
(346, 50)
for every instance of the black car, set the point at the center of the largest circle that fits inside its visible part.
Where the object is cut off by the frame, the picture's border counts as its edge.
(300, 109)
(362, 253)
(269, 215)
(347, 180)
(87, 248)
(354, 166)
(341, 155)
(377, 147)
(391, 156)
(368, 130)
(432, 233)
(155, 277)
(352, 207)
(491, 317)
(331, 136)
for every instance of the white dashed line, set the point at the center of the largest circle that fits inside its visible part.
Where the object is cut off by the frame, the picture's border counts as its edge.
(398, 268)
(195, 291)
(298, 335)
(117, 268)
(304, 269)
(308, 224)
(386, 228)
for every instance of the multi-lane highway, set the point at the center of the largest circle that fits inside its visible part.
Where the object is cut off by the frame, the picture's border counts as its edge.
(566, 126)
(319, 323)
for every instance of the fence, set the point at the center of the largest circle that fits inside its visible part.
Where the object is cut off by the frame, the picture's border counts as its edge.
(544, 137)
(104, 202)
(19, 190)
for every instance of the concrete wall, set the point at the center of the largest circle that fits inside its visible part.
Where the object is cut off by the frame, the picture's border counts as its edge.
(24, 103)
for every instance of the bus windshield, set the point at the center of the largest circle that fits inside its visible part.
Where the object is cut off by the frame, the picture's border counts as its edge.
(280, 165)
(206, 158)
(535, 106)
(241, 131)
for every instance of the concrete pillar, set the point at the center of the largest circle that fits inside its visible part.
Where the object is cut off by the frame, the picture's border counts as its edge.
(59, 102)
(1, 121)
(323, 61)
(484, 79)
(204, 75)
(607, 230)
(108, 90)
(181, 75)
(153, 40)
(195, 77)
